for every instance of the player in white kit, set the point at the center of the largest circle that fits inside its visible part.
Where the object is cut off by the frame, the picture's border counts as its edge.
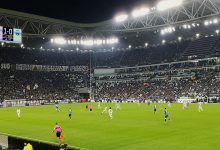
(18, 113)
(105, 110)
(110, 111)
(200, 106)
(117, 105)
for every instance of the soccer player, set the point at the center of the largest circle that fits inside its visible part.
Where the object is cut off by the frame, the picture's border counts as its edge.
(169, 104)
(57, 108)
(87, 106)
(184, 105)
(200, 106)
(148, 103)
(70, 113)
(166, 115)
(58, 130)
(105, 110)
(91, 107)
(117, 105)
(110, 111)
(155, 109)
(18, 113)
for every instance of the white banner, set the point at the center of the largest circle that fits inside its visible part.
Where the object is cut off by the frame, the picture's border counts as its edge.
(5, 66)
(79, 68)
(23, 67)
(54, 68)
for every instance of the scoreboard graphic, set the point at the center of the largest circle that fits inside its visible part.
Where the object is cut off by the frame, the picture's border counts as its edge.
(10, 35)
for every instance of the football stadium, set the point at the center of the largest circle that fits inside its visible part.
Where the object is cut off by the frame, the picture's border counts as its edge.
(148, 78)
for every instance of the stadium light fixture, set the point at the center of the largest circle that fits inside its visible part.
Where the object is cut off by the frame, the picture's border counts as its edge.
(60, 41)
(121, 17)
(140, 12)
(206, 23)
(185, 26)
(197, 35)
(163, 41)
(179, 39)
(146, 44)
(167, 4)
(167, 30)
(129, 46)
(215, 21)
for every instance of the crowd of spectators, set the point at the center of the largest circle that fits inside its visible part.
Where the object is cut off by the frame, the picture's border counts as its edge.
(33, 85)
(198, 85)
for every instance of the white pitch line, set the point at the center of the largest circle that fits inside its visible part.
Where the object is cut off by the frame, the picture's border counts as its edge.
(42, 141)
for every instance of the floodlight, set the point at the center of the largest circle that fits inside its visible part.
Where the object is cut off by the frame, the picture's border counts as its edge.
(129, 46)
(215, 21)
(179, 38)
(60, 40)
(41, 47)
(140, 12)
(163, 41)
(77, 48)
(185, 26)
(99, 42)
(206, 23)
(51, 40)
(197, 35)
(121, 17)
(146, 44)
(167, 4)
(59, 48)
(22, 45)
(217, 31)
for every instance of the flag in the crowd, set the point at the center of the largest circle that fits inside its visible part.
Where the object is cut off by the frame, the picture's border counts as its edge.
(28, 87)
(35, 86)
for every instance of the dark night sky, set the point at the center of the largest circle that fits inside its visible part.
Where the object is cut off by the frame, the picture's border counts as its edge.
(84, 11)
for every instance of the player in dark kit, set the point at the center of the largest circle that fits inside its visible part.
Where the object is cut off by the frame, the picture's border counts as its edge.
(70, 113)
(155, 109)
(166, 115)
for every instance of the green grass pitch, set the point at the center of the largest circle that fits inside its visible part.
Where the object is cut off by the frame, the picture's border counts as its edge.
(134, 127)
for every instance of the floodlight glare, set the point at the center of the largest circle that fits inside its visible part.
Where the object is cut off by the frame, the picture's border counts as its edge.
(215, 21)
(129, 46)
(217, 31)
(206, 23)
(60, 41)
(146, 44)
(163, 41)
(167, 4)
(197, 35)
(140, 12)
(121, 17)
(179, 38)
